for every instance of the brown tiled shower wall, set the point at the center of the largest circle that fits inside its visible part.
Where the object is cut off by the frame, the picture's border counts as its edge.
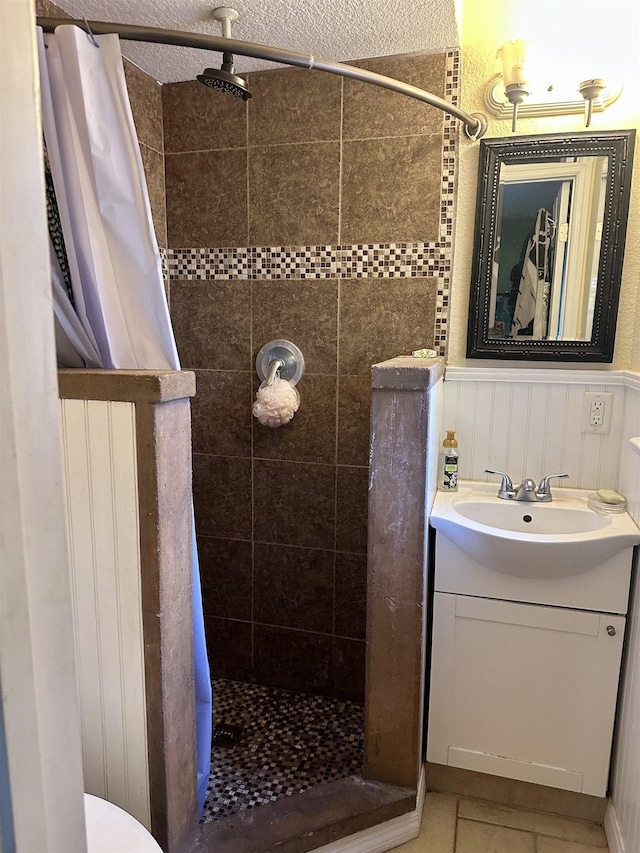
(146, 105)
(320, 211)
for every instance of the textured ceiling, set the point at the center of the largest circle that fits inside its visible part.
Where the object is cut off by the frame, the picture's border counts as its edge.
(331, 29)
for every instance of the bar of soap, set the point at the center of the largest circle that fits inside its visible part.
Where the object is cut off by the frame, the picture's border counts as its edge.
(424, 353)
(609, 496)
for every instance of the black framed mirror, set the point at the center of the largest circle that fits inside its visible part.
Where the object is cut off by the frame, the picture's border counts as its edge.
(551, 219)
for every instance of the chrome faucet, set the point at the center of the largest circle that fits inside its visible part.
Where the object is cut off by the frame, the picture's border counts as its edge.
(527, 490)
(544, 489)
(506, 489)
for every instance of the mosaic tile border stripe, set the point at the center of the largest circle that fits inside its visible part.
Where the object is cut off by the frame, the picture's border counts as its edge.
(447, 198)
(383, 260)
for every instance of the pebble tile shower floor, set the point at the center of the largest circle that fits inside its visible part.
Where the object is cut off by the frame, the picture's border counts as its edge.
(270, 743)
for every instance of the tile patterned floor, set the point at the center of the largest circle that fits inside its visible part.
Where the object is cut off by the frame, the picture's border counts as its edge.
(452, 824)
(287, 742)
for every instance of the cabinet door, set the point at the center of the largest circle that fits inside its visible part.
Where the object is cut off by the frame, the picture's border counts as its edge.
(524, 691)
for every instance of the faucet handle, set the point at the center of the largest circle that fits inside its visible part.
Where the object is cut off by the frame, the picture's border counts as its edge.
(506, 487)
(544, 488)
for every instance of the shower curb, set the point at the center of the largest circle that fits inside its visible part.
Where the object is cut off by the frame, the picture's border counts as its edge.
(324, 819)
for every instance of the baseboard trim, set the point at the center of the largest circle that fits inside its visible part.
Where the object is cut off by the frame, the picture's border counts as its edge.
(612, 830)
(568, 376)
(385, 836)
(632, 379)
(565, 376)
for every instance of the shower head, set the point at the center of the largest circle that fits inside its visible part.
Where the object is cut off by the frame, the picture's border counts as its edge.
(225, 79)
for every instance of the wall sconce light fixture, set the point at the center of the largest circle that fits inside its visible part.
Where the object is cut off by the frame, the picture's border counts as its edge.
(510, 92)
(590, 90)
(512, 55)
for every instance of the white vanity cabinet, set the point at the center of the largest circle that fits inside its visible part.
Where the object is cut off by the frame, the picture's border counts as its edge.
(524, 691)
(525, 688)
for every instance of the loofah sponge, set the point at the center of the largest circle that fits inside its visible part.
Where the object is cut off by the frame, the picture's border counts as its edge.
(277, 403)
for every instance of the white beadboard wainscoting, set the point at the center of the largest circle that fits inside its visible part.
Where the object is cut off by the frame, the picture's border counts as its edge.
(528, 423)
(623, 817)
(101, 488)
(630, 455)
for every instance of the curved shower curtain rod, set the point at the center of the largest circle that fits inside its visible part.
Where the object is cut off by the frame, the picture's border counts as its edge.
(475, 124)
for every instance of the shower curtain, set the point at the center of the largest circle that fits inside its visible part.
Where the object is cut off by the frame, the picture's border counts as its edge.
(118, 315)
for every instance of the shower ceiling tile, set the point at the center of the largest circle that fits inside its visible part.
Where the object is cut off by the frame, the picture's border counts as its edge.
(333, 29)
(207, 198)
(371, 111)
(294, 106)
(294, 194)
(391, 190)
(197, 118)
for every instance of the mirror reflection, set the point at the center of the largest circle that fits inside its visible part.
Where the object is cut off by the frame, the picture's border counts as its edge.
(547, 249)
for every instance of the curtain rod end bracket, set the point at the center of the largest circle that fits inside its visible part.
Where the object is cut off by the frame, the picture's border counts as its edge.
(481, 128)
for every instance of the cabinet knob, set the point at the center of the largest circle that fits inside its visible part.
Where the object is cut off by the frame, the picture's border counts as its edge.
(611, 631)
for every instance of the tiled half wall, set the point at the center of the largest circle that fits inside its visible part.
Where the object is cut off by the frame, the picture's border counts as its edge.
(321, 211)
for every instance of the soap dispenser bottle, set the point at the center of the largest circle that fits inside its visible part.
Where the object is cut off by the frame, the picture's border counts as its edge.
(448, 476)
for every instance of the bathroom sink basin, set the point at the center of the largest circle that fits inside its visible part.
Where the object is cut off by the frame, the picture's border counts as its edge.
(536, 519)
(557, 539)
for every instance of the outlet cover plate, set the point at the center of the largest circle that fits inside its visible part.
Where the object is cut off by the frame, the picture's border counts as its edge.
(590, 397)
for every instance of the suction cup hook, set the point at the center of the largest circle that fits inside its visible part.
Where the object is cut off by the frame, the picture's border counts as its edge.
(291, 357)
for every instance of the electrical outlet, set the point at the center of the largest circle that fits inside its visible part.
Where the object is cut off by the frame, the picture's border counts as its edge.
(596, 411)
